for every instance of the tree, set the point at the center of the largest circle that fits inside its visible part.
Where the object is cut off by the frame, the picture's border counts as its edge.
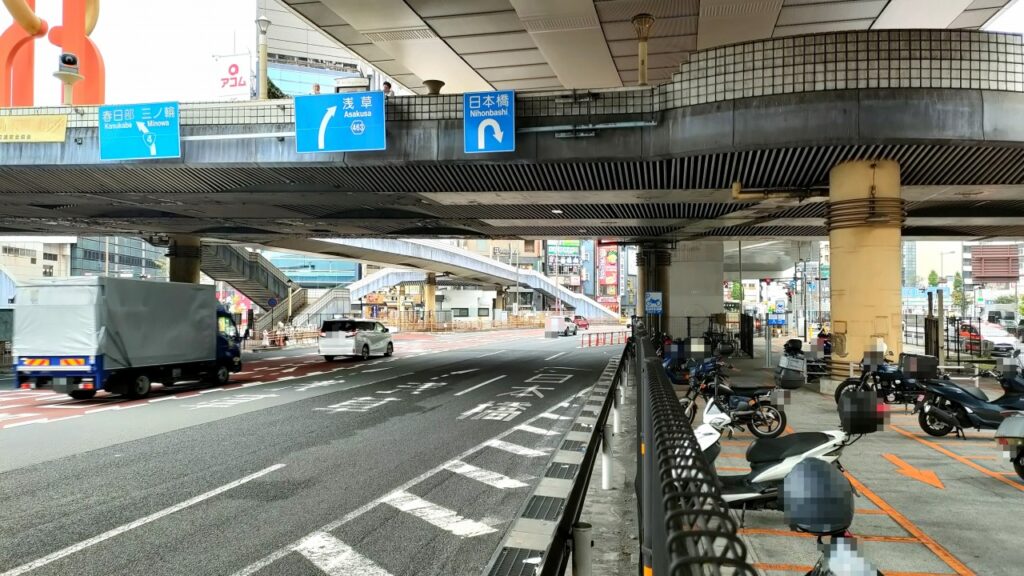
(1006, 299)
(933, 278)
(959, 300)
(737, 291)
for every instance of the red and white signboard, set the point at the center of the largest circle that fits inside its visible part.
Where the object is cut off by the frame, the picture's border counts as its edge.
(232, 77)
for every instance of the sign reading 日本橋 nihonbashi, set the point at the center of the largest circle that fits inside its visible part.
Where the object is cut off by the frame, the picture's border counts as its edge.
(489, 122)
(344, 122)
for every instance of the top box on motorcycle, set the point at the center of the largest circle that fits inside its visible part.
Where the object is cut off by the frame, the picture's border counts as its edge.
(793, 346)
(919, 366)
(860, 412)
(696, 348)
(1012, 427)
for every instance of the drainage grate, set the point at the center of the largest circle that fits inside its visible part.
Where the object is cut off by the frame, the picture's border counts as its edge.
(588, 414)
(517, 562)
(581, 427)
(574, 446)
(562, 471)
(544, 508)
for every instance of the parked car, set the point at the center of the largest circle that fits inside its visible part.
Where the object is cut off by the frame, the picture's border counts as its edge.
(351, 337)
(570, 327)
(581, 322)
(975, 338)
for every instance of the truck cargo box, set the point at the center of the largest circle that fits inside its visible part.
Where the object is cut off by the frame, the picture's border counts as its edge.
(131, 323)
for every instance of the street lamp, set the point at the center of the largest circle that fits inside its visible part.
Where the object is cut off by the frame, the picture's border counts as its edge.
(642, 26)
(263, 23)
(291, 286)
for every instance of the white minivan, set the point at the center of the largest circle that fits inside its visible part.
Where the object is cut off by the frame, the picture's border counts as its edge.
(351, 337)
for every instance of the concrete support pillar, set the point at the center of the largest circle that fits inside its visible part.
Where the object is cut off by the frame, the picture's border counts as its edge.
(185, 255)
(865, 219)
(430, 296)
(499, 302)
(641, 281)
(695, 277)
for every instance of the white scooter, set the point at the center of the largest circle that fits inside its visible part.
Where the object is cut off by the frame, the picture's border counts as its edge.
(772, 459)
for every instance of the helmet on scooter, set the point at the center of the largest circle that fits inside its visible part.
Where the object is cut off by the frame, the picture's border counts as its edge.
(793, 346)
(817, 498)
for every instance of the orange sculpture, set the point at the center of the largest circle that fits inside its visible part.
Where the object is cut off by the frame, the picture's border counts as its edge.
(17, 52)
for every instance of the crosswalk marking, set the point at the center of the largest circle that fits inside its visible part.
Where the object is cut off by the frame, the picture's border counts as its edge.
(336, 558)
(535, 430)
(439, 516)
(486, 476)
(515, 449)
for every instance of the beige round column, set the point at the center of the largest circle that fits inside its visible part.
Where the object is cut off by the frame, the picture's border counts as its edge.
(865, 222)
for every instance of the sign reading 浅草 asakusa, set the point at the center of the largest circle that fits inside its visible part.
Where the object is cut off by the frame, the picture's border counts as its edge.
(33, 129)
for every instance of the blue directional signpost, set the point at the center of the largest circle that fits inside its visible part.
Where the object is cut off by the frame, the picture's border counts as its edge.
(653, 303)
(140, 131)
(345, 122)
(489, 122)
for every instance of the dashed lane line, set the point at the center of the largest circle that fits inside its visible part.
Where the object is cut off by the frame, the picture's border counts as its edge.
(135, 524)
(493, 479)
(336, 558)
(333, 525)
(439, 516)
(516, 448)
(471, 388)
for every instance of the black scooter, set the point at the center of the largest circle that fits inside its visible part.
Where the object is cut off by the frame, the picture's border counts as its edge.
(948, 407)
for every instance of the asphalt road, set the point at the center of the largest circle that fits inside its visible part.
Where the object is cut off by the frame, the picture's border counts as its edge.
(415, 464)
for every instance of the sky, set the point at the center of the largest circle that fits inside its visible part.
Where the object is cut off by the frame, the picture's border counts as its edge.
(153, 50)
(161, 50)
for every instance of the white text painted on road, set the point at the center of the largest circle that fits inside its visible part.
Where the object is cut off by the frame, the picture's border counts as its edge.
(550, 378)
(439, 516)
(230, 401)
(535, 430)
(140, 522)
(362, 404)
(485, 476)
(504, 411)
(336, 558)
(526, 391)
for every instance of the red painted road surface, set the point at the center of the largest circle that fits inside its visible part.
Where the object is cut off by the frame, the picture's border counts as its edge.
(25, 407)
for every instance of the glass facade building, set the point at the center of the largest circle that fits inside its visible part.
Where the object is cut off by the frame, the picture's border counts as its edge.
(117, 256)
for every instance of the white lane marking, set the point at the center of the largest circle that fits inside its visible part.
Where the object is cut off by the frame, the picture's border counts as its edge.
(335, 524)
(63, 418)
(535, 430)
(488, 477)
(16, 424)
(549, 358)
(470, 389)
(439, 516)
(551, 416)
(135, 524)
(94, 410)
(516, 448)
(335, 557)
(211, 390)
(9, 406)
(376, 370)
(490, 354)
(71, 406)
(462, 372)
(162, 398)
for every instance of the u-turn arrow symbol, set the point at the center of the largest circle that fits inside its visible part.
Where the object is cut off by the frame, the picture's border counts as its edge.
(482, 129)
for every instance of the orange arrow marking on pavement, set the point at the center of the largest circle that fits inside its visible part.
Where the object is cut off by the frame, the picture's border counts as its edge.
(926, 476)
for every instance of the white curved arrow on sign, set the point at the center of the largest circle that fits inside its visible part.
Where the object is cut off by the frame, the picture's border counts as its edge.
(323, 126)
(482, 128)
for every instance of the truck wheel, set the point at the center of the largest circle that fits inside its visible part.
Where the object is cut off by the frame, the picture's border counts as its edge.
(82, 394)
(138, 387)
(221, 376)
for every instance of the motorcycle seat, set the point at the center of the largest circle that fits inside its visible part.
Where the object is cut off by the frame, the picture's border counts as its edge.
(778, 449)
(748, 386)
(976, 392)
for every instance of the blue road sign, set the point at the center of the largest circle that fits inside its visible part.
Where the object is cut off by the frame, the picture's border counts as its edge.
(272, 302)
(345, 122)
(653, 303)
(140, 131)
(489, 122)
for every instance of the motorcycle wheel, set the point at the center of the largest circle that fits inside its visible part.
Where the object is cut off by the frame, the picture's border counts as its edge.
(847, 386)
(1018, 464)
(932, 426)
(690, 409)
(767, 422)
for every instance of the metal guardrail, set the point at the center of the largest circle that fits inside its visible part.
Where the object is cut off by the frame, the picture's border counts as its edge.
(559, 551)
(685, 525)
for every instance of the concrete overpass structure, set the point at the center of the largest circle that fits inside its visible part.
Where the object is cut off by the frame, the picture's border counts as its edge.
(741, 144)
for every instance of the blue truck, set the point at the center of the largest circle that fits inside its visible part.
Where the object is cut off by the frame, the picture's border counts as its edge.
(83, 335)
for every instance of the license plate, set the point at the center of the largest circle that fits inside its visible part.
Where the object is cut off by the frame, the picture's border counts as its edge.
(920, 397)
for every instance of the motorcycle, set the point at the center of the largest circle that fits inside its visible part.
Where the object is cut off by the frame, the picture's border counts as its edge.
(755, 408)
(772, 459)
(1010, 435)
(817, 499)
(795, 367)
(948, 407)
(888, 381)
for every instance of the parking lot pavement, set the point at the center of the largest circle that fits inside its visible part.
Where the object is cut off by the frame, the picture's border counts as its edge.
(925, 505)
